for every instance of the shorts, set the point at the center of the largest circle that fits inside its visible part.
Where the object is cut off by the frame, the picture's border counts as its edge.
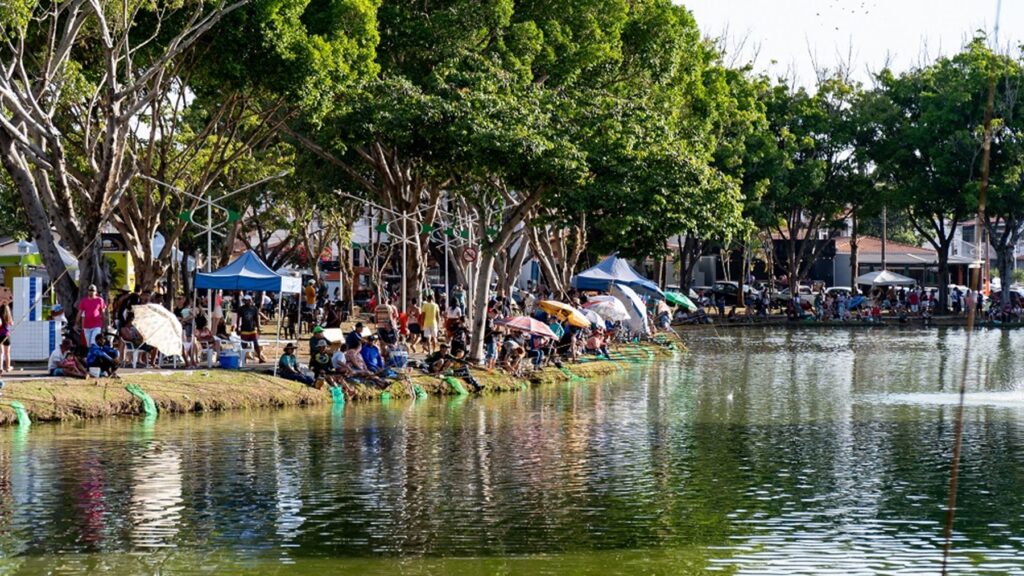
(415, 329)
(430, 332)
(913, 308)
(250, 337)
(387, 335)
(56, 372)
(5, 340)
(491, 351)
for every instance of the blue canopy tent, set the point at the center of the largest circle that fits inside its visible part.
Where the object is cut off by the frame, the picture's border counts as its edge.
(247, 273)
(614, 269)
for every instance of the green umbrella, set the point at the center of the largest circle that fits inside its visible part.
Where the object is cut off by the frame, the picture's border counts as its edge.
(678, 299)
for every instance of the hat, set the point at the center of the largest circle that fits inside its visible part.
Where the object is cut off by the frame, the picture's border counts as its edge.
(247, 297)
(289, 346)
(318, 329)
(57, 308)
(91, 288)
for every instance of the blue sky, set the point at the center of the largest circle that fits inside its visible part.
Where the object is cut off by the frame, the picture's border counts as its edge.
(784, 33)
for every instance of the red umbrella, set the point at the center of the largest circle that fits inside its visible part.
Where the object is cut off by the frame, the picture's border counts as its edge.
(528, 325)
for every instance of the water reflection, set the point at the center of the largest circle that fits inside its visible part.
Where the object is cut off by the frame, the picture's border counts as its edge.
(759, 451)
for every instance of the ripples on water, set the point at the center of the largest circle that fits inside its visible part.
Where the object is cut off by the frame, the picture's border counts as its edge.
(773, 452)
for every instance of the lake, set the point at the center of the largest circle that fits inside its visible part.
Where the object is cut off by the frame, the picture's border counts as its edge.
(758, 451)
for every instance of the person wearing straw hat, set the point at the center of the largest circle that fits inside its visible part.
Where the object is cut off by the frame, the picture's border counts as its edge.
(288, 367)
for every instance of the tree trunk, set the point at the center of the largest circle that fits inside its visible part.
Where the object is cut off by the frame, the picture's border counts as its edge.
(943, 278)
(854, 261)
(480, 296)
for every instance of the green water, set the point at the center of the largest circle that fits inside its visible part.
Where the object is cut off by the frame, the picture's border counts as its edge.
(778, 452)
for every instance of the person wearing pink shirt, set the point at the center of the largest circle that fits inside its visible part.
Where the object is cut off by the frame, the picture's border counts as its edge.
(92, 314)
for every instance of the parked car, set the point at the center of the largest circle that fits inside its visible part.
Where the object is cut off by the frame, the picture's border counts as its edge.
(784, 296)
(730, 290)
(837, 290)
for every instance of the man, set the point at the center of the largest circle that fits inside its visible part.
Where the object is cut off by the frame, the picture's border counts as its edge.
(439, 361)
(288, 367)
(309, 303)
(386, 316)
(372, 357)
(358, 365)
(248, 325)
(316, 340)
(322, 366)
(431, 319)
(57, 316)
(339, 363)
(102, 356)
(63, 363)
(92, 312)
(353, 338)
(459, 296)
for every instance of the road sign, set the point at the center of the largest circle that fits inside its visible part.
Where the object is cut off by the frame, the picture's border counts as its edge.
(469, 254)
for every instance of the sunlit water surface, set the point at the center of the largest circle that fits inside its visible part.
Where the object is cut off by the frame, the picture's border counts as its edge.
(758, 451)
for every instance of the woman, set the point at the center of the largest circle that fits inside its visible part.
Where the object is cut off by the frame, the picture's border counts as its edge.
(6, 327)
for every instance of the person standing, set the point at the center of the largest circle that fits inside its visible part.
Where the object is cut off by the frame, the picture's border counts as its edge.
(92, 314)
(6, 327)
(248, 325)
(415, 329)
(431, 319)
(386, 316)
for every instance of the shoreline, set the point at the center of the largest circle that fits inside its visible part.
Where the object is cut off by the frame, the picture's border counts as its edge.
(50, 399)
(887, 322)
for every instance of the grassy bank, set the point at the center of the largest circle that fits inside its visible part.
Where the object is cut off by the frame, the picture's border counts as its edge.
(52, 399)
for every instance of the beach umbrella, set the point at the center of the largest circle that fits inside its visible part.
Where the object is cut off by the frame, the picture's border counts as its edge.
(678, 299)
(594, 317)
(159, 328)
(607, 307)
(564, 311)
(637, 321)
(527, 325)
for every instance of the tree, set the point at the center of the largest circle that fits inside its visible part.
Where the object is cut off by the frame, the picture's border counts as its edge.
(805, 169)
(75, 77)
(926, 143)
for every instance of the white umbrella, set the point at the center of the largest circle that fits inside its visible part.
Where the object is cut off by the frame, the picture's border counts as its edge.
(634, 305)
(884, 278)
(594, 317)
(159, 328)
(607, 307)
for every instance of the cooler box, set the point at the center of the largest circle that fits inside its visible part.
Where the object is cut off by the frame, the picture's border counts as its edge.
(33, 341)
(27, 300)
(228, 360)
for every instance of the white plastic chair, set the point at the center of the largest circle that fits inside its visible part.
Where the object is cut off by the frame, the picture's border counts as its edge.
(130, 349)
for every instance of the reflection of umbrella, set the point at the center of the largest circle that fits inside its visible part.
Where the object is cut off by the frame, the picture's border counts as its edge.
(884, 278)
(159, 328)
(564, 312)
(528, 325)
(333, 335)
(594, 317)
(678, 299)
(607, 307)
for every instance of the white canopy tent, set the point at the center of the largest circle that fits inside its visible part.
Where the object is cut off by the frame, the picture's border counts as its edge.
(884, 278)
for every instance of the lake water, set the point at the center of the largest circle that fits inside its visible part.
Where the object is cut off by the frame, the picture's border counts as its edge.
(769, 451)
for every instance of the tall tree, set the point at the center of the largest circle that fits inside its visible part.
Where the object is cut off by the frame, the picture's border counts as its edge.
(926, 143)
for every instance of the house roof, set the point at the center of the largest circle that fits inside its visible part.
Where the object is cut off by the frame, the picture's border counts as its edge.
(870, 244)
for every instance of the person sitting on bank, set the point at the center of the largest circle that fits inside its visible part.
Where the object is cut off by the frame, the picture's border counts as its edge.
(596, 344)
(130, 335)
(372, 357)
(288, 367)
(358, 365)
(339, 363)
(322, 366)
(63, 362)
(355, 336)
(438, 361)
(103, 356)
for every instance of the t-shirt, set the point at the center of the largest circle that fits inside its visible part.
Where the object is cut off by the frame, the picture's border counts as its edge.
(288, 363)
(310, 295)
(371, 356)
(353, 338)
(56, 358)
(338, 360)
(454, 312)
(248, 319)
(320, 362)
(92, 310)
(430, 312)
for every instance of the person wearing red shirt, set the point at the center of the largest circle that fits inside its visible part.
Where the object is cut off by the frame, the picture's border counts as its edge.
(92, 311)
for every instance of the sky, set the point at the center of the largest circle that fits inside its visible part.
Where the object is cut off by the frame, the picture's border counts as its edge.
(785, 33)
